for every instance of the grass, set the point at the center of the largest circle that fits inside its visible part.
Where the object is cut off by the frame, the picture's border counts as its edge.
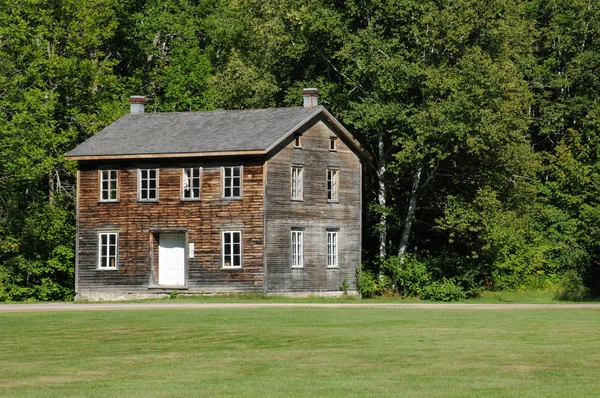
(301, 352)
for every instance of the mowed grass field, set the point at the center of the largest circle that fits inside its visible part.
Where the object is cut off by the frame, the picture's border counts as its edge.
(317, 352)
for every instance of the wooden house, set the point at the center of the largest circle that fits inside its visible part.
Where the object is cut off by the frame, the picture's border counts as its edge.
(265, 200)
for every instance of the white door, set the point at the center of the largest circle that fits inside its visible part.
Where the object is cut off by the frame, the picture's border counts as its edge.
(171, 259)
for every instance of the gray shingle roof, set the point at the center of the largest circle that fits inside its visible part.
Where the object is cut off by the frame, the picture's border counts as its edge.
(195, 132)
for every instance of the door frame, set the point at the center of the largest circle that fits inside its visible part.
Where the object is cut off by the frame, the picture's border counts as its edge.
(155, 255)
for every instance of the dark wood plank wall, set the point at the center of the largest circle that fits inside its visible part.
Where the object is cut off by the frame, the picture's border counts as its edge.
(139, 224)
(314, 214)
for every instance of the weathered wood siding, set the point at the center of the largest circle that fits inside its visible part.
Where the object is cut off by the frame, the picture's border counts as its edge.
(314, 214)
(139, 225)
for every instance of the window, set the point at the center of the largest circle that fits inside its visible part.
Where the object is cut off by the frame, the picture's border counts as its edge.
(107, 250)
(108, 185)
(332, 249)
(297, 249)
(297, 183)
(297, 141)
(148, 184)
(232, 249)
(232, 182)
(333, 144)
(191, 183)
(333, 177)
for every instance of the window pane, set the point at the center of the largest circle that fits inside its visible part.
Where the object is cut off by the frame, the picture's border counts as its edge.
(236, 172)
(236, 192)
(237, 261)
(227, 237)
(236, 237)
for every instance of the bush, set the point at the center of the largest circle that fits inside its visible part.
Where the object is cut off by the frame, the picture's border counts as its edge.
(572, 287)
(445, 290)
(409, 275)
(366, 283)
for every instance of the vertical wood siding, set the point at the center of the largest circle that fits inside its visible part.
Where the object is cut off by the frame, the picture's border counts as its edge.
(314, 214)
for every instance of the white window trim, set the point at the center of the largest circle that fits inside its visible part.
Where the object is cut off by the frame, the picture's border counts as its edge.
(332, 249)
(108, 257)
(139, 175)
(297, 192)
(183, 182)
(223, 183)
(335, 185)
(333, 140)
(297, 248)
(298, 141)
(101, 178)
(223, 249)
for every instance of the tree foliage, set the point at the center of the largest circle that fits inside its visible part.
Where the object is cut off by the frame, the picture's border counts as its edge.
(482, 120)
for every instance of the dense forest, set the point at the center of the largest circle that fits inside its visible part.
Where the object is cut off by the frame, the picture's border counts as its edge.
(482, 119)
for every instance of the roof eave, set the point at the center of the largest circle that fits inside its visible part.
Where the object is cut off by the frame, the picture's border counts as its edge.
(163, 155)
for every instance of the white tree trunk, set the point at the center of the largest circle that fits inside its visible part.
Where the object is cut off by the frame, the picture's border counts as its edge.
(381, 192)
(410, 214)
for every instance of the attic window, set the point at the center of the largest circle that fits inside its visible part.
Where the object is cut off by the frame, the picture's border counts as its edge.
(297, 141)
(333, 144)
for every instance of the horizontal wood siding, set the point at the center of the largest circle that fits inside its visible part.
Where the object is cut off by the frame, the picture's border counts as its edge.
(314, 214)
(139, 225)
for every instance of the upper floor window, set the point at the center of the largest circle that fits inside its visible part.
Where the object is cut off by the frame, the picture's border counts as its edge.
(333, 144)
(232, 182)
(148, 184)
(333, 177)
(297, 182)
(108, 185)
(297, 249)
(231, 249)
(332, 249)
(297, 141)
(191, 182)
(108, 249)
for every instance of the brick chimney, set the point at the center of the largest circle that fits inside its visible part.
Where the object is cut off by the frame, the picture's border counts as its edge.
(311, 97)
(137, 103)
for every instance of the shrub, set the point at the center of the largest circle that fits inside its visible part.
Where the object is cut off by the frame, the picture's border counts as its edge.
(366, 283)
(345, 285)
(409, 275)
(445, 290)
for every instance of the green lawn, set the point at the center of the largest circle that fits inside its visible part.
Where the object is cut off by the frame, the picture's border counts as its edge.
(301, 352)
(487, 297)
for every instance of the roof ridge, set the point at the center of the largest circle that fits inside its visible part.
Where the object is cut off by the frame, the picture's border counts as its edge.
(229, 110)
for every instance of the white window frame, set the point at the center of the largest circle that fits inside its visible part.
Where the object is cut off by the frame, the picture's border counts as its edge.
(107, 255)
(298, 141)
(109, 177)
(332, 249)
(230, 262)
(333, 185)
(297, 248)
(333, 144)
(148, 189)
(297, 182)
(228, 182)
(191, 181)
